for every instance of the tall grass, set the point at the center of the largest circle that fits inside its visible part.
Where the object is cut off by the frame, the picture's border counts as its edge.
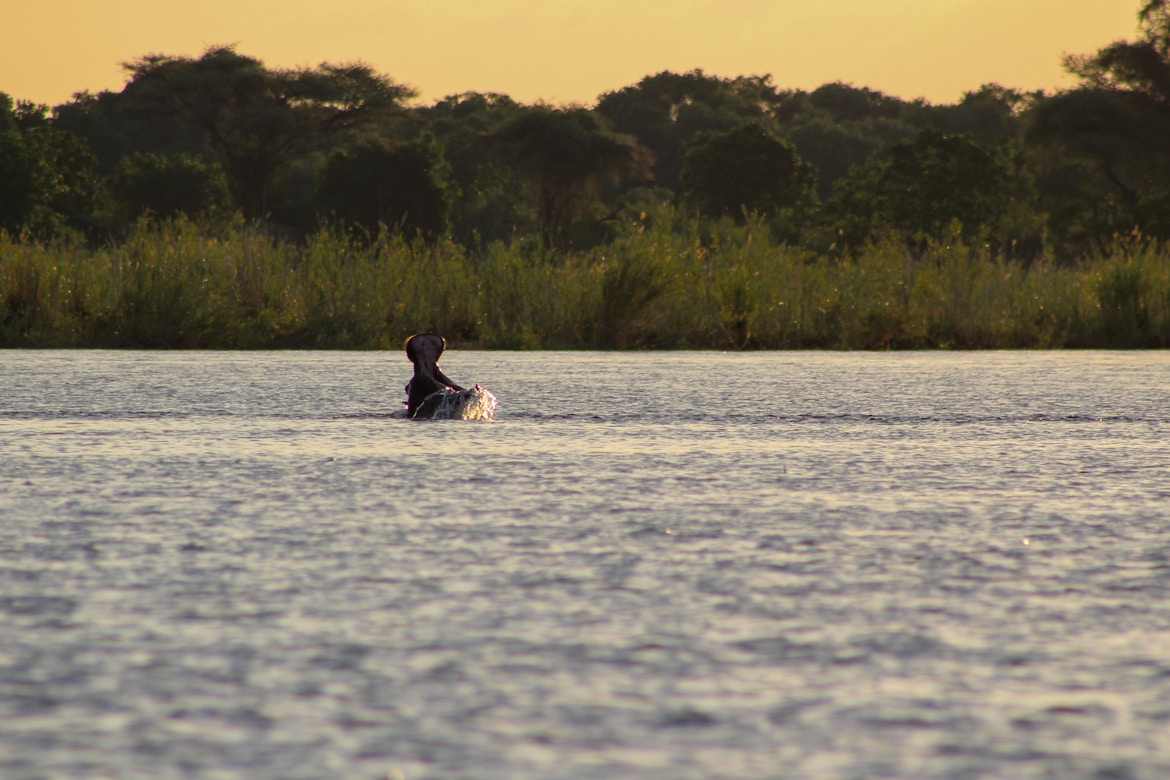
(661, 282)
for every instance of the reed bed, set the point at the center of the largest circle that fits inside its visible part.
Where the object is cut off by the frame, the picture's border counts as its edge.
(660, 282)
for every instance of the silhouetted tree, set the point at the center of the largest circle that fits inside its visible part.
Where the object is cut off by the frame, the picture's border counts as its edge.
(1119, 120)
(48, 182)
(565, 155)
(847, 103)
(665, 111)
(408, 187)
(925, 186)
(487, 208)
(747, 169)
(7, 115)
(165, 187)
(255, 120)
(30, 116)
(115, 125)
(1113, 144)
(1140, 67)
(990, 115)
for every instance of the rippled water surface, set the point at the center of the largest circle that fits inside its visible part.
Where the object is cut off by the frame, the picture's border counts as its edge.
(663, 565)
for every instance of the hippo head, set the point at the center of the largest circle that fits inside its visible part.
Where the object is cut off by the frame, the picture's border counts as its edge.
(424, 351)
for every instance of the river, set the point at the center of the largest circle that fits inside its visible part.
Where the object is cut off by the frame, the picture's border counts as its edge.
(649, 565)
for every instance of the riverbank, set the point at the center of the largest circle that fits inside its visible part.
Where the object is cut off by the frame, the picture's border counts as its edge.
(652, 286)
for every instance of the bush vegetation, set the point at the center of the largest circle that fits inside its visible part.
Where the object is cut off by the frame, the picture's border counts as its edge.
(664, 281)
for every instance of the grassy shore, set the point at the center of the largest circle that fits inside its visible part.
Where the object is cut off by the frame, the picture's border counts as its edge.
(657, 284)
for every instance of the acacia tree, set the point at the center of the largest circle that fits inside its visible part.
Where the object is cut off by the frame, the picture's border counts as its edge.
(255, 121)
(565, 155)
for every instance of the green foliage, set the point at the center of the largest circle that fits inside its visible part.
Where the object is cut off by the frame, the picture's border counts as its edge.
(48, 182)
(633, 276)
(167, 187)
(936, 179)
(661, 282)
(1132, 290)
(525, 302)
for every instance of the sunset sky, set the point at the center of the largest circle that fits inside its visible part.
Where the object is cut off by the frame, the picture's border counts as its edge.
(564, 52)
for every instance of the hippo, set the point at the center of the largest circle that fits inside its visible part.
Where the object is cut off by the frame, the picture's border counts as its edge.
(432, 395)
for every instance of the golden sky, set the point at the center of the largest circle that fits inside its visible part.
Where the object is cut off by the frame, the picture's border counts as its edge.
(562, 52)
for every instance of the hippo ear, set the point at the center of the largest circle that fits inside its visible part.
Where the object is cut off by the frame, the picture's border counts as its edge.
(425, 348)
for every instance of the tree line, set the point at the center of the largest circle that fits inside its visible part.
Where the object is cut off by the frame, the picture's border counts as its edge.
(221, 137)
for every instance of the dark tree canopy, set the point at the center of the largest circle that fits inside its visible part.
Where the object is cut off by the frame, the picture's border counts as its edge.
(665, 111)
(115, 126)
(747, 169)
(832, 149)
(464, 124)
(255, 120)
(1118, 123)
(991, 114)
(925, 186)
(565, 155)
(849, 103)
(408, 187)
(1060, 174)
(7, 116)
(48, 182)
(936, 179)
(152, 185)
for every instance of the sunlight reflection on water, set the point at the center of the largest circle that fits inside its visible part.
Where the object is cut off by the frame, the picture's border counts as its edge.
(680, 565)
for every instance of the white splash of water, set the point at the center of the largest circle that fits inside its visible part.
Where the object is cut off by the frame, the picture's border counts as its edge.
(477, 403)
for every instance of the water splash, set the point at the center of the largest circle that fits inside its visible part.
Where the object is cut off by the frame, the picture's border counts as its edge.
(478, 403)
